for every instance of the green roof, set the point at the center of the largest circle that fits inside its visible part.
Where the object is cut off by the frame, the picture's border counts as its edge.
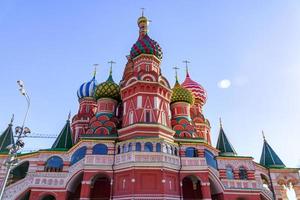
(269, 158)
(64, 139)
(223, 144)
(6, 138)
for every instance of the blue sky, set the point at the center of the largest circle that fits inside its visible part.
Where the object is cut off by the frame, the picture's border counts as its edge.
(52, 46)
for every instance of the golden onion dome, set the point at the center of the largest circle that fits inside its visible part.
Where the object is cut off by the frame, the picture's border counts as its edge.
(108, 89)
(181, 94)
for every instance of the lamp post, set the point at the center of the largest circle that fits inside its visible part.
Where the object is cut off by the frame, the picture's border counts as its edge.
(21, 132)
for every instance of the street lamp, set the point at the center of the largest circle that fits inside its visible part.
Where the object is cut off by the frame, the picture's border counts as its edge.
(21, 132)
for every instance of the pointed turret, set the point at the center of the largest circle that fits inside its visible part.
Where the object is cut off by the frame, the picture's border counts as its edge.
(223, 144)
(7, 137)
(64, 139)
(269, 158)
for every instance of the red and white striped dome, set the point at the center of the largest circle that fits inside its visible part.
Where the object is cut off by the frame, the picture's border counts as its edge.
(198, 91)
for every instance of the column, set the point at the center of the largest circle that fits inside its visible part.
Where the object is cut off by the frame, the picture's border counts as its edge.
(205, 190)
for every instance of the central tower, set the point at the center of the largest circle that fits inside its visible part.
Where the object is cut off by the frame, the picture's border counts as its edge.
(145, 92)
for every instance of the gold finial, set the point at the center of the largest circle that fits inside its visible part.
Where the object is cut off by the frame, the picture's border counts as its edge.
(95, 69)
(176, 76)
(186, 66)
(220, 120)
(111, 64)
(263, 134)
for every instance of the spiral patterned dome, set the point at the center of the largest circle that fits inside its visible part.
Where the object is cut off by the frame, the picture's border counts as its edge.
(181, 94)
(87, 89)
(108, 89)
(146, 45)
(197, 90)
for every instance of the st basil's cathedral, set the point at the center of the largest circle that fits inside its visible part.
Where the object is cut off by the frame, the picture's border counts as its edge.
(143, 139)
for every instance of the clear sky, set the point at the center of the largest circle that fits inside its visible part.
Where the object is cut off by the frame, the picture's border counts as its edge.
(52, 46)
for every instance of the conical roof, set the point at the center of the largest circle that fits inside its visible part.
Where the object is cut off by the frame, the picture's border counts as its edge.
(7, 137)
(269, 158)
(64, 139)
(224, 145)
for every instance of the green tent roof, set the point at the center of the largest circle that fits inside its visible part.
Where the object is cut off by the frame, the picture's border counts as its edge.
(7, 138)
(224, 145)
(64, 139)
(269, 158)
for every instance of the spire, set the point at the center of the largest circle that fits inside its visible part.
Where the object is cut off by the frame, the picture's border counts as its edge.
(223, 144)
(64, 139)
(186, 67)
(143, 23)
(7, 137)
(110, 70)
(268, 156)
(176, 76)
(95, 70)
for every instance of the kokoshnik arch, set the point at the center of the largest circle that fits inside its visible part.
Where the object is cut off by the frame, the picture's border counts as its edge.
(143, 139)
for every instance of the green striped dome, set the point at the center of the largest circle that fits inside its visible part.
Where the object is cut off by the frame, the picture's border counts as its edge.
(108, 89)
(181, 94)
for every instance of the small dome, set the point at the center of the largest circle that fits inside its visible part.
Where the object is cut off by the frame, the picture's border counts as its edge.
(181, 94)
(108, 89)
(146, 45)
(87, 89)
(197, 90)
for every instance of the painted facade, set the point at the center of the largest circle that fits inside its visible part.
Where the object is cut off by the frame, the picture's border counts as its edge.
(143, 139)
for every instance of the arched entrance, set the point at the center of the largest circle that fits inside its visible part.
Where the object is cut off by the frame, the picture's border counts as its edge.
(74, 187)
(191, 188)
(48, 197)
(100, 188)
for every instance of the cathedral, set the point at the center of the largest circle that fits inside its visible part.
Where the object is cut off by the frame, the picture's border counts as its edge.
(143, 139)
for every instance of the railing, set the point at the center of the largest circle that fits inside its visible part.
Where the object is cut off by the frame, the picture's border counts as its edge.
(240, 184)
(149, 158)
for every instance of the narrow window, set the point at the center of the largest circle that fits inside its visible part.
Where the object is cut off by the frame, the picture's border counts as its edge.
(148, 147)
(138, 146)
(139, 101)
(148, 116)
(158, 147)
(229, 173)
(131, 117)
(243, 173)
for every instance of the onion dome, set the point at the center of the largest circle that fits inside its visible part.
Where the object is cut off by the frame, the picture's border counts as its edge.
(108, 89)
(145, 45)
(181, 94)
(87, 89)
(197, 90)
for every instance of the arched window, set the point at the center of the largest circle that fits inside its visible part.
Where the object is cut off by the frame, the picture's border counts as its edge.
(148, 147)
(78, 155)
(171, 150)
(54, 164)
(229, 173)
(243, 173)
(191, 152)
(100, 149)
(118, 149)
(129, 147)
(175, 152)
(124, 148)
(210, 159)
(158, 147)
(138, 146)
